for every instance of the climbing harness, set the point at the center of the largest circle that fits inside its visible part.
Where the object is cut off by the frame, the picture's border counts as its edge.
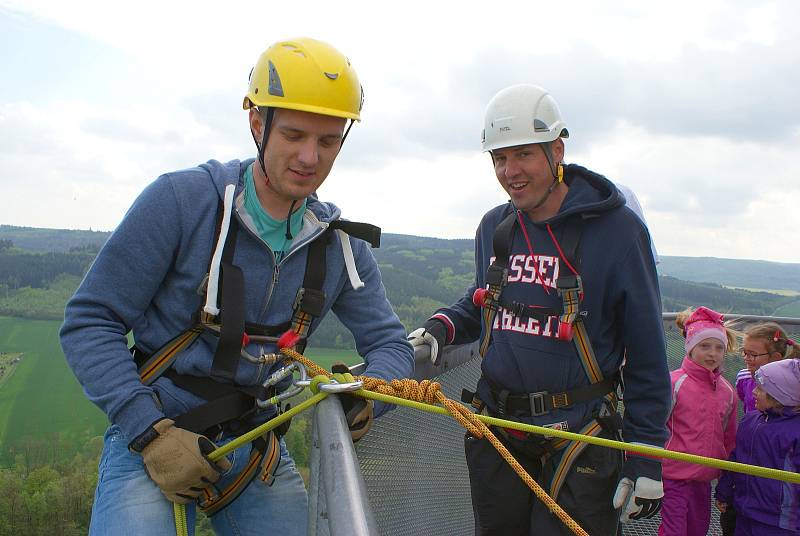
(229, 408)
(570, 327)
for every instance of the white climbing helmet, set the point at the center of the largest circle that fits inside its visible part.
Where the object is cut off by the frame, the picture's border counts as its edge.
(522, 114)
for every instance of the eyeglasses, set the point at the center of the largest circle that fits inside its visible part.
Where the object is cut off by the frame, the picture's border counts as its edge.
(751, 355)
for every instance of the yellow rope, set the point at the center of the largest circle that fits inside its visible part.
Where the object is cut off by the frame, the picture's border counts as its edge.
(428, 392)
(181, 526)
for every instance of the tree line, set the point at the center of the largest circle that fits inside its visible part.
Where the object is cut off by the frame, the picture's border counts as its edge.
(420, 275)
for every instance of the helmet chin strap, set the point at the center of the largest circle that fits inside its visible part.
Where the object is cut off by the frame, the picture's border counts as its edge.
(548, 153)
(270, 113)
(268, 116)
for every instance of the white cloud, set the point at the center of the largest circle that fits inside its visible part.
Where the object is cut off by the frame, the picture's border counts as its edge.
(692, 104)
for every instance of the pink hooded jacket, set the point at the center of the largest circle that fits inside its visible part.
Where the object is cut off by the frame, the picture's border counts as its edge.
(702, 420)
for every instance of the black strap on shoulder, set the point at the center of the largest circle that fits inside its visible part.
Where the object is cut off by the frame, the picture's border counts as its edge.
(571, 239)
(310, 298)
(503, 234)
(226, 356)
(365, 231)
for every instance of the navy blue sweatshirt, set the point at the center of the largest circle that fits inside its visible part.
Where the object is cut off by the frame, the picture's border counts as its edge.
(621, 307)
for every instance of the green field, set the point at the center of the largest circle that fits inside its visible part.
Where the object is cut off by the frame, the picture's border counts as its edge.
(42, 397)
(790, 310)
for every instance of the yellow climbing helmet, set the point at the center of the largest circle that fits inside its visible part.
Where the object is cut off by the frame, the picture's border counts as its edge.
(307, 75)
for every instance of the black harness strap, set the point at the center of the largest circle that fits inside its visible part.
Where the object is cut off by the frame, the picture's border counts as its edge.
(365, 231)
(571, 239)
(310, 298)
(497, 275)
(226, 356)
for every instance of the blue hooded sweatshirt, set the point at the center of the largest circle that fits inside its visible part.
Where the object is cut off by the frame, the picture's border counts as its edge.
(621, 311)
(145, 280)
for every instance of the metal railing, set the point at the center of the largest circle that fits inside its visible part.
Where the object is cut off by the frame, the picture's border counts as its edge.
(409, 475)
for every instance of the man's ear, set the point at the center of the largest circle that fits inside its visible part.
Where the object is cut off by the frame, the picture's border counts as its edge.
(256, 124)
(558, 150)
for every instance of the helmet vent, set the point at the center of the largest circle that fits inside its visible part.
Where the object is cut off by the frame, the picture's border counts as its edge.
(275, 87)
(332, 76)
(540, 126)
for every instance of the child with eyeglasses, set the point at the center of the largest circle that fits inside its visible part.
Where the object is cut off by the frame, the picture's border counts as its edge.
(702, 422)
(763, 343)
(769, 437)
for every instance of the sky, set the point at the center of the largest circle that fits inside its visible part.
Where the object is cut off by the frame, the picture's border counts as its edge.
(692, 104)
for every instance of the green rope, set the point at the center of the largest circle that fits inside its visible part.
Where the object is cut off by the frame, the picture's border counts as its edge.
(656, 452)
(181, 527)
(180, 509)
(266, 427)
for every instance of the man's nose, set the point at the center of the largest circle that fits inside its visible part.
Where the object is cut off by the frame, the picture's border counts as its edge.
(309, 153)
(511, 168)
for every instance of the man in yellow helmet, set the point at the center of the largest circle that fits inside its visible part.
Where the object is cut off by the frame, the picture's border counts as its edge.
(208, 269)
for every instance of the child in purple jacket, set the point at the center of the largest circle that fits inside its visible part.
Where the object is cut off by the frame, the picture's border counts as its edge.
(769, 437)
(702, 421)
(763, 343)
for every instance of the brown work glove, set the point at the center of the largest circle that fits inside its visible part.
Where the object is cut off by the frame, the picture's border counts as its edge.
(175, 459)
(358, 412)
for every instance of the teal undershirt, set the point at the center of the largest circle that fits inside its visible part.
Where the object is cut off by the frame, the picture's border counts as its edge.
(272, 231)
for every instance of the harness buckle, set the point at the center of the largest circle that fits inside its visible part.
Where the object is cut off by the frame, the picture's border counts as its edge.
(569, 282)
(496, 276)
(310, 301)
(538, 405)
(560, 400)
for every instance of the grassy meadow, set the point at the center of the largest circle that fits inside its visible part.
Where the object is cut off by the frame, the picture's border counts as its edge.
(42, 402)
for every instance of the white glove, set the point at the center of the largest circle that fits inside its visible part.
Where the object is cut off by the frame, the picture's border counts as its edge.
(638, 501)
(421, 337)
(433, 334)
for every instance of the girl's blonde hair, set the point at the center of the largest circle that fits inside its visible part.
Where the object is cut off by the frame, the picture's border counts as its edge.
(731, 334)
(775, 339)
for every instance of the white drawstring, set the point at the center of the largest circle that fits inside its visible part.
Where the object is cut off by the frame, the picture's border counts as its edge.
(213, 274)
(349, 261)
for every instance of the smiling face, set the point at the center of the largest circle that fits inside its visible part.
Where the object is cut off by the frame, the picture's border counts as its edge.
(763, 400)
(525, 174)
(300, 152)
(756, 353)
(708, 353)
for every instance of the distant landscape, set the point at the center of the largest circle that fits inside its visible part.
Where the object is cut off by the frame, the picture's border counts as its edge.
(50, 435)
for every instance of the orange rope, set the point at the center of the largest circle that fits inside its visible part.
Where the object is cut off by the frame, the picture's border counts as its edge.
(429, 392)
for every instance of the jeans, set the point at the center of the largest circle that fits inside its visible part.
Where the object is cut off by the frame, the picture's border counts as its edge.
(127, 502)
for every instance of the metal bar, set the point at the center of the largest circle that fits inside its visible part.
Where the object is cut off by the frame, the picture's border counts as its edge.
(317, 514)
(783, 320)
(424, 369)
(346, 506)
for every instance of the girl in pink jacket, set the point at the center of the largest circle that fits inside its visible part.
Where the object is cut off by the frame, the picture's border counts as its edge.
(702, 421)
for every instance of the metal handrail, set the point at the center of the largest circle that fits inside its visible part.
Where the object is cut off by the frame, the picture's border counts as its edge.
(337, 497)
(783, 320)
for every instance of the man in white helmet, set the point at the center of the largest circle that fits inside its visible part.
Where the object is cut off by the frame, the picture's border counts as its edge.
(565, 286)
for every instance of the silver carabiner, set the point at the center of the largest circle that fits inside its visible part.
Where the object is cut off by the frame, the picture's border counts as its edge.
(335, 387)
(279, 375)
